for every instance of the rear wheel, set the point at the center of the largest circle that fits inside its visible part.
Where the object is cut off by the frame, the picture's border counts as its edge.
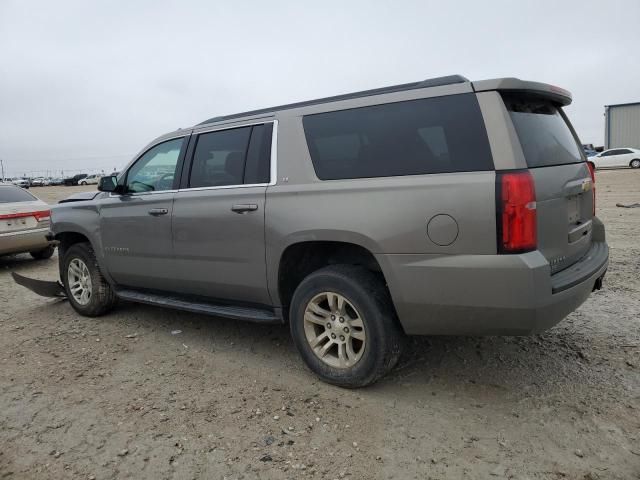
(635, 163)
(87, 290)
(43, 254)
(344, 325)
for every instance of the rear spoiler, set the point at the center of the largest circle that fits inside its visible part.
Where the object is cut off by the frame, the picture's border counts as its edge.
(556, 94)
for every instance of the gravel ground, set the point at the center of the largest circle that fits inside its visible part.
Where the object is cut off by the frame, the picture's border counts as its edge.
(151, 393)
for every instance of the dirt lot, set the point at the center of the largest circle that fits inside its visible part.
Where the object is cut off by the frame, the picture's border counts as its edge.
(152, 393)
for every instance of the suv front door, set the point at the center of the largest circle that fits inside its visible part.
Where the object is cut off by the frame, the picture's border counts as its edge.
(135, 226)
(218, 215)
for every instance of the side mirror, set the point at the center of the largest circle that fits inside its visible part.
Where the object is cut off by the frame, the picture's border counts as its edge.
(108, 184)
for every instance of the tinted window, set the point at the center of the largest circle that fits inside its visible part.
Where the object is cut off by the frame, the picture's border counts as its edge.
(258, 169)
(545, 136)
(623, 151)
(10, 194)
(219, 158)
(155, 170)
(435, 135)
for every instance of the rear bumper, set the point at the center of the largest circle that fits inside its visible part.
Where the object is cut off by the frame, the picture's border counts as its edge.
(488, 294)
(25, 241)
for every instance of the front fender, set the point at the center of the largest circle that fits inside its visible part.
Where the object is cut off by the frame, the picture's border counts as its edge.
(82, 218)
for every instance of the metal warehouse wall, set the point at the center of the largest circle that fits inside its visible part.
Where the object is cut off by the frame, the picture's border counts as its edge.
(622, 125)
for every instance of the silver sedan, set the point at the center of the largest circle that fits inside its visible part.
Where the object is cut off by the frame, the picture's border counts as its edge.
(24, 223)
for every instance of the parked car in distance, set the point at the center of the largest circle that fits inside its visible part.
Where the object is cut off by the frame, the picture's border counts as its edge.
(89, 180)
(38, 182)
(617, 158)
(24, 223)
(441, 207)
(56, 181)
(71, 181)
(22, 182)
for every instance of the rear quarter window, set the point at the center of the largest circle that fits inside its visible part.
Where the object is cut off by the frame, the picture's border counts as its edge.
(10, 194)
(434, 135)
(544, 132)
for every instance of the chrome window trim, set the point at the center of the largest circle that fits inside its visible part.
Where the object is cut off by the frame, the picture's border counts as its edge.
(274, 159)
(138, 194)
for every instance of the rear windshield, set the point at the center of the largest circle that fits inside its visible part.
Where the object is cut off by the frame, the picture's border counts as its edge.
(9, 194)
(433, 135)
(545, 137)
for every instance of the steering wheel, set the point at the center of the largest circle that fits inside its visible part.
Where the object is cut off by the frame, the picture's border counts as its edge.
(160, 184)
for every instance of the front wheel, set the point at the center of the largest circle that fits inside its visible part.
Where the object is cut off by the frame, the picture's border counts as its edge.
(635, 163)
(344, 325)
(87, 290)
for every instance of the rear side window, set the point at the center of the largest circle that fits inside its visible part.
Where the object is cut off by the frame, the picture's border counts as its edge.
(544, 134)
(434, 135)
(232, 157)
(219, 158)
(10, 194)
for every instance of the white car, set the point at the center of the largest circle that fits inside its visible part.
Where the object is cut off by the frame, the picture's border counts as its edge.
(21, 182)
(90, 180)
(617, 157)
(24, 223)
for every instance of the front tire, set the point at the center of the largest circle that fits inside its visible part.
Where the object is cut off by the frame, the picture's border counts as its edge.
(635, 163)
(87, 290)
(43, 254)
(344, 325)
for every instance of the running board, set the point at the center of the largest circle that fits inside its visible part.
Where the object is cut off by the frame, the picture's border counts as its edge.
(200, 306)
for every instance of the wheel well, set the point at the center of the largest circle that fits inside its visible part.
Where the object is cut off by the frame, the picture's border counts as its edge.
(67, 239)
(301, 259)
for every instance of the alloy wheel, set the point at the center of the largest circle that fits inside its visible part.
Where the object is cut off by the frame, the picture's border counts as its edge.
(334, 330)
(79, 280)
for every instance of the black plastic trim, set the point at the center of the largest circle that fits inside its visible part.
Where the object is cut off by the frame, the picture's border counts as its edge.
(591, 262)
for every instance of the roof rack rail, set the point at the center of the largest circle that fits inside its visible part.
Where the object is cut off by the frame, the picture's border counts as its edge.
(432, 82)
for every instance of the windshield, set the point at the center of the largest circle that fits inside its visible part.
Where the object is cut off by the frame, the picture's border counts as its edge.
(544, 134)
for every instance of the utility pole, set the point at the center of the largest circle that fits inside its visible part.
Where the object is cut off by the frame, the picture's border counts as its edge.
(2, 168)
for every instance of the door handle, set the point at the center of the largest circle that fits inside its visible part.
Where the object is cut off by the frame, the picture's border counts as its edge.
(244, 208)
(156, 212)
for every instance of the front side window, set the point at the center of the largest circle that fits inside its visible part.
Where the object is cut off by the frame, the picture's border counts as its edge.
(432, 135)
(219, 158)
(155, 171)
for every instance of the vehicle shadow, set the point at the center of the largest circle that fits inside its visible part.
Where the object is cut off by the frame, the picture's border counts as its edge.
(555, 361)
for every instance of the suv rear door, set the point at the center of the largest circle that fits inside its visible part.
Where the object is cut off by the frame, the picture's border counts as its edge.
(563, 186)
(218, 215)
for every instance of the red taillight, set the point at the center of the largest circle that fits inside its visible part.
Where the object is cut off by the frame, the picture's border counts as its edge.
(42, 215)
(592, 171)
(516, 210)
(39, 215)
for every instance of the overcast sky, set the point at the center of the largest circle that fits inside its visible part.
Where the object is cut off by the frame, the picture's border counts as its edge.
(85, 84)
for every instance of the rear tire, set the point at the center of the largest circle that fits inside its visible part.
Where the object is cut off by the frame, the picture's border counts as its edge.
(43, 254)
(635, 163)
(364, 340)
(87, 290)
